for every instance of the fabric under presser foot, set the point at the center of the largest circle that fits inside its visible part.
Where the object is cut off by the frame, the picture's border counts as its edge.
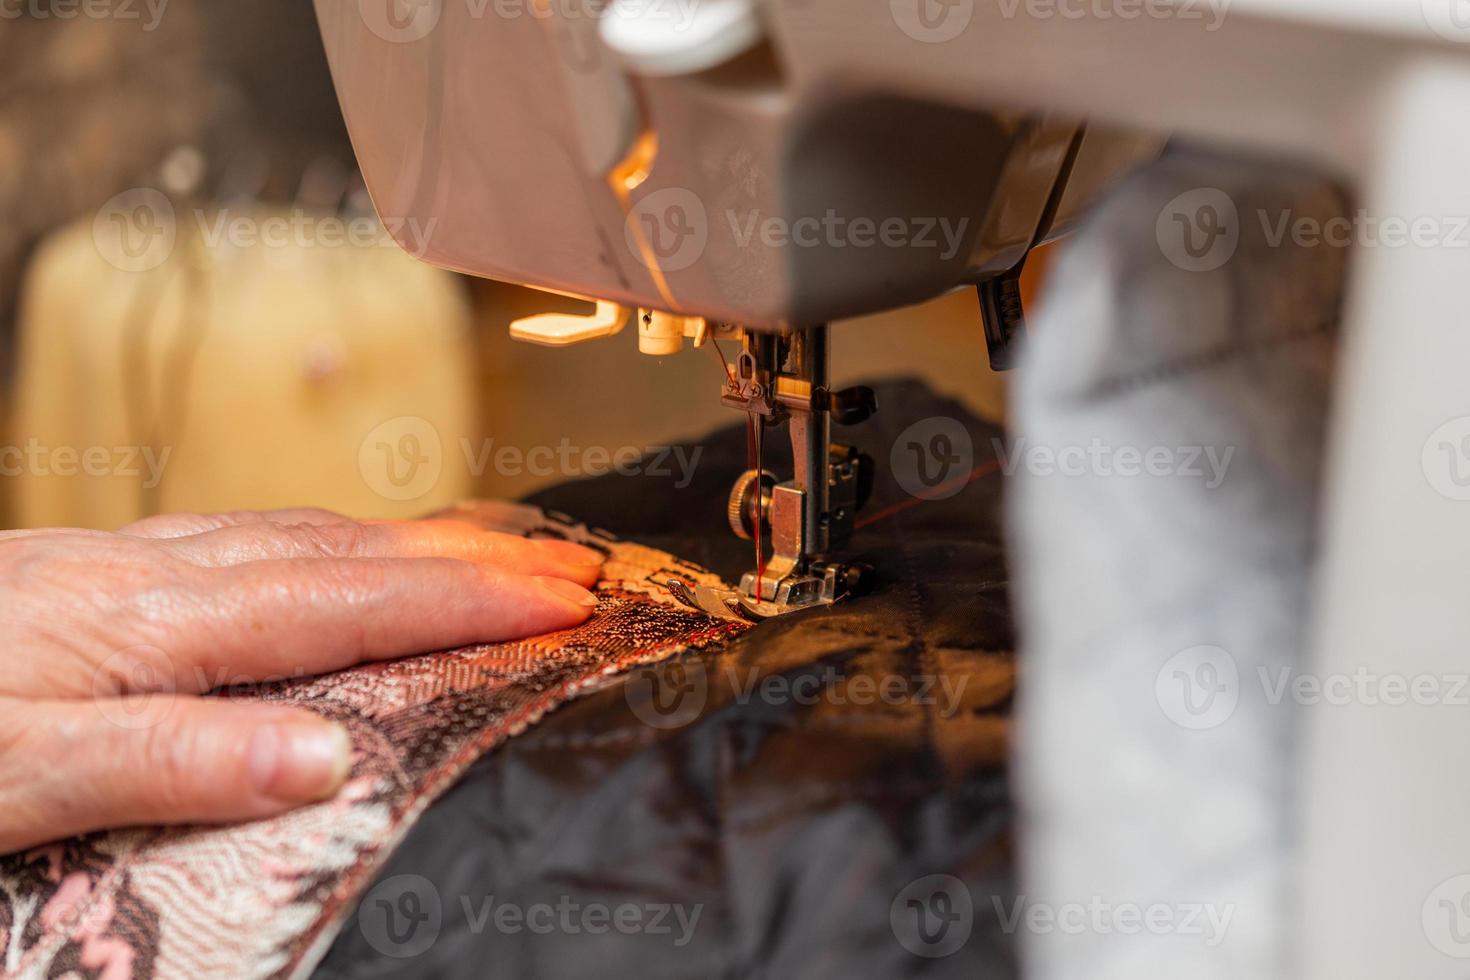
(797, 794)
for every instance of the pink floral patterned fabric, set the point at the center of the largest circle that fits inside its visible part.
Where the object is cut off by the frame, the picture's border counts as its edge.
(265, 899)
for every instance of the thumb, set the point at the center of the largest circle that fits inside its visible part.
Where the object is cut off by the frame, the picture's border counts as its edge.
(68, 767)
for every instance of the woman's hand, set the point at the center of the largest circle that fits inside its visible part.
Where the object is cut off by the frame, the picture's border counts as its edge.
(105, 638)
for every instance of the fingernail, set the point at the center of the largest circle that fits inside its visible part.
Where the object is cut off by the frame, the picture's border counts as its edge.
(568, 590)
(299, 761)
(572, 554)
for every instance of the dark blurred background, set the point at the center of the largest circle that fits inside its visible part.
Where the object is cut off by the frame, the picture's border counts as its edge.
(89, 107)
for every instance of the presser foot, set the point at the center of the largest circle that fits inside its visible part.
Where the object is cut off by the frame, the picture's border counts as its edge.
(823, 584)
(784, 379)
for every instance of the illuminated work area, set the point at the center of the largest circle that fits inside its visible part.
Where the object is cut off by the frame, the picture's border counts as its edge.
(742, 488)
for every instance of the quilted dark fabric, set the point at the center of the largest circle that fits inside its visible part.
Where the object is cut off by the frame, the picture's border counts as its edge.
(825, 796)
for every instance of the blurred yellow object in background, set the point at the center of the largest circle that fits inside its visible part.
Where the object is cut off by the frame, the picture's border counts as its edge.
(222, 359)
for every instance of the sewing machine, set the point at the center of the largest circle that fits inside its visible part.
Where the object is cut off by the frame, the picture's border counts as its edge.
(671, 159)
(693, 174)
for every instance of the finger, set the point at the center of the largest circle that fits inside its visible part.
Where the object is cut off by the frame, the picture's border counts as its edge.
(179, 525)
(77, 766)
(308, 616)
(391, 539)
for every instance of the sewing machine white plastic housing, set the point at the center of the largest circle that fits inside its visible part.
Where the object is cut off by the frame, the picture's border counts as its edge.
(729, 160)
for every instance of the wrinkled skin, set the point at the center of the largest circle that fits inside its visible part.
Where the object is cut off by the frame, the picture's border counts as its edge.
(106, 639)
